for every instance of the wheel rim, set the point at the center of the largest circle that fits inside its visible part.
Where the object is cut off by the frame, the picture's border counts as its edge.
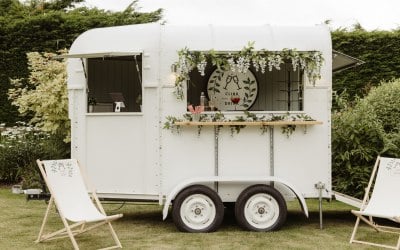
(261, 211)
(198, 211)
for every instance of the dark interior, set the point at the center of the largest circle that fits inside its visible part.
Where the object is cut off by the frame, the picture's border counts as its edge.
(114, 79)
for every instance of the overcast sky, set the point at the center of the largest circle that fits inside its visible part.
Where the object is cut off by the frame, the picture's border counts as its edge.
(371, 14)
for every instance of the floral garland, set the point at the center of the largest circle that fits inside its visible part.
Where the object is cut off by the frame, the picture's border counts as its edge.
(309, 61)
(249, 117)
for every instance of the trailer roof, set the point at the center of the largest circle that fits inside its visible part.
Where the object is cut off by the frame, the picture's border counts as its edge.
(154, 36)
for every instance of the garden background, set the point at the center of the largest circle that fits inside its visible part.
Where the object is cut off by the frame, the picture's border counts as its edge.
(366, 106)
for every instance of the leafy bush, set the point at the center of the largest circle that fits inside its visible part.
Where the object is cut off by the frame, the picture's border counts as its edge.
(45, 95)
(362, 132)
(19, 149)
(385, 102)
(357, 137)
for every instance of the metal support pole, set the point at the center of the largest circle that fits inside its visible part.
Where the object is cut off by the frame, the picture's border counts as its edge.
(216, 135)
(320, 186)
(271, 151)
(271, 154)
(289, 91)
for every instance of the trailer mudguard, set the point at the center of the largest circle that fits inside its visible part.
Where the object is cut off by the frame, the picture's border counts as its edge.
(225, 179)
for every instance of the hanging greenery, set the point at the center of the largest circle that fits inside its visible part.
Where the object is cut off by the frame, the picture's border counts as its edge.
(171, 121)
(240, 61)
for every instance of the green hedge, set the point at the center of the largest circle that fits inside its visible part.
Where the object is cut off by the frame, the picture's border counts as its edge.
(379, 49)
(12, 65)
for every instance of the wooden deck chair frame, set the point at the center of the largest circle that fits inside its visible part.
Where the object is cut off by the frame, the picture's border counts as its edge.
(369, 219)
(71, 230)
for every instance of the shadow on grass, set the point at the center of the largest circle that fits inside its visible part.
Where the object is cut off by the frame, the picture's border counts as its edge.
(151, 215)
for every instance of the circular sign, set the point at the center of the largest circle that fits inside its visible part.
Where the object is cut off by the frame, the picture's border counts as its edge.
(232, 90)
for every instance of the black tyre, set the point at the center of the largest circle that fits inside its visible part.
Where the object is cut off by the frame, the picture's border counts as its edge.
(260, 208)
(197, 209)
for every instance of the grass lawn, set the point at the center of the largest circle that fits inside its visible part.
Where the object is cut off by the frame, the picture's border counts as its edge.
(142, 228)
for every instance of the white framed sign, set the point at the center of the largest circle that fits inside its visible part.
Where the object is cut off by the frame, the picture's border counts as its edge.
(232, 90)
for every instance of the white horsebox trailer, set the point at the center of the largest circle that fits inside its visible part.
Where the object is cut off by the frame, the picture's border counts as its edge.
(137, 81)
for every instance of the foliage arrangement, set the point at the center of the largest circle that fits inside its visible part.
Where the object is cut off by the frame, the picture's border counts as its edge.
(20, 146)
(45, 96)
(250, 86)
(309, 61)
(47, 26)
(248, 117)
(363, 131)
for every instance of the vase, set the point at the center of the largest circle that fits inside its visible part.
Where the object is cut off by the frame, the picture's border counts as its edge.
(196, 117)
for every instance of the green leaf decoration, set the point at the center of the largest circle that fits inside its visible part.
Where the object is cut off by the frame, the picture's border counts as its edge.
(309, 61)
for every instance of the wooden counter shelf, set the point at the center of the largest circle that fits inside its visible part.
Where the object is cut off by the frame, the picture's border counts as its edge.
(248, 123)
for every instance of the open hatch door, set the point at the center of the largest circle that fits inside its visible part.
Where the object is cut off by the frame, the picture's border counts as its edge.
(98, 54)
(342, 61)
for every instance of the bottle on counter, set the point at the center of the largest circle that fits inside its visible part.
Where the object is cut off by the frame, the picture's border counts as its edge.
(203, 99)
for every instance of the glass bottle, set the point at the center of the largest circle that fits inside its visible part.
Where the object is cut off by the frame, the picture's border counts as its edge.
(203, 99)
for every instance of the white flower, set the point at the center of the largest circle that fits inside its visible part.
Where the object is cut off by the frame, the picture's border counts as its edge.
(270, 64)
(295, 62)
(277, 61)
(318, 60)
(256, 65)
(302, 63)
(201, 66)
(263, 64)
(243, 64)
(184, 66)
(232, 64)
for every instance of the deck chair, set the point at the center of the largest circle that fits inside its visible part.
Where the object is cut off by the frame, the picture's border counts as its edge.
(384, 201)
(68, 191)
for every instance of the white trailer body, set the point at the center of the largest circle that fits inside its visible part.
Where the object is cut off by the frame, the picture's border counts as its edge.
(129, 156)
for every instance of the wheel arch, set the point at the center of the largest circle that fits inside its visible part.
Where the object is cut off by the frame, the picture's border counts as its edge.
(224, 179)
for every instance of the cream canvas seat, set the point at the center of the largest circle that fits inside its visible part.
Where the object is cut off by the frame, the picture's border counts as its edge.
(66, 184)
(384, 201)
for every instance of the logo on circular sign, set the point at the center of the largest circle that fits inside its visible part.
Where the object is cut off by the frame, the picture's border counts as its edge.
(232, 90)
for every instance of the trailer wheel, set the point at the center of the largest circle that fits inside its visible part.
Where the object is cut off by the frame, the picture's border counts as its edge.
(197, 209)
(260, 208)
